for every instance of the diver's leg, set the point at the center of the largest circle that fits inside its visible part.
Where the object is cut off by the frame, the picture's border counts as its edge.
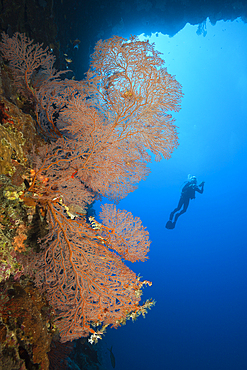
(180, 203)
(185, 206)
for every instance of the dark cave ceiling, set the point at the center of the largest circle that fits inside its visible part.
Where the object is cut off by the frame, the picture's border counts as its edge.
(103, 19)
(57, 23)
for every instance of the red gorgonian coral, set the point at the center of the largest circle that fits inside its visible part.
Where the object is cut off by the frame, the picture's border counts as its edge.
(101, 131)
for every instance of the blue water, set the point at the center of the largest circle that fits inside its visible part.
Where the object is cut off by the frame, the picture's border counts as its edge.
(198, 269)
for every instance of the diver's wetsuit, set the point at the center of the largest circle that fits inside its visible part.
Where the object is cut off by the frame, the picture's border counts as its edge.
(188, 192)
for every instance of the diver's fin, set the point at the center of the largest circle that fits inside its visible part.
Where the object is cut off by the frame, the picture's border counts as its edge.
(170, 225)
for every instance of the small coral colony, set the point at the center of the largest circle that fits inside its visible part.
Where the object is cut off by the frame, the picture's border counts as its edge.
(64, 144)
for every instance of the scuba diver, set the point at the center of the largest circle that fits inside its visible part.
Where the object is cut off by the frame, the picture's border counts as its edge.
(188, 192)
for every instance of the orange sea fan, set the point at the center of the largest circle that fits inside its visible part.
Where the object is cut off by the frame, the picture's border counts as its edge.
(85, 281)
(125, 234)
(106, 125)
(25, 57)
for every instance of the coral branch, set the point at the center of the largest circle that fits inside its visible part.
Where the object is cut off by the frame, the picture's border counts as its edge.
(25, 57)
(125, 234)
(86, 282)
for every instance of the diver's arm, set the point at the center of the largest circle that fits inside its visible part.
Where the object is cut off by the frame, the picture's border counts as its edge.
(201, 186)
